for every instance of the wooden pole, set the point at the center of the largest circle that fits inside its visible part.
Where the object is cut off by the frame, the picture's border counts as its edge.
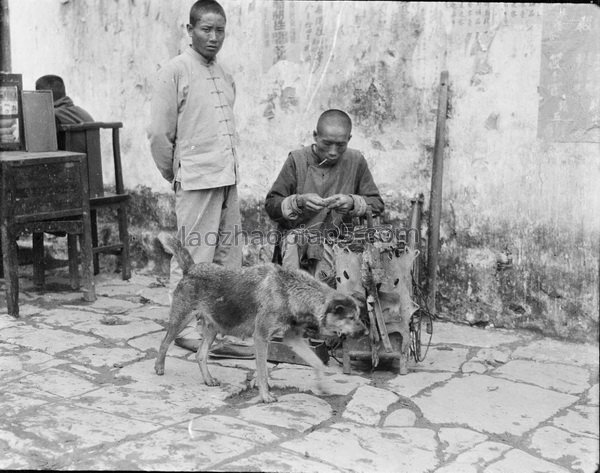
(435, 201)
(414, 236)
(5, 59)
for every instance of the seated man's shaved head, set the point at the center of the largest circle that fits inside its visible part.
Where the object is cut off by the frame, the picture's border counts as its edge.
(334, 117)
(332, 135)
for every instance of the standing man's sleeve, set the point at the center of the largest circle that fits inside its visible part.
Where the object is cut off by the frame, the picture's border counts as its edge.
(163, 121)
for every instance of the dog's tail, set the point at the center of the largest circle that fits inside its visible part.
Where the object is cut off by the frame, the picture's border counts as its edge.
(173, 245)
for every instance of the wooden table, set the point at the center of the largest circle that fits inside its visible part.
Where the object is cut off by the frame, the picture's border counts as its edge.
(41, 192)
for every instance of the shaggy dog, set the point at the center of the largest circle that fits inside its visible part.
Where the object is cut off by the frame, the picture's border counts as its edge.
(258, 301)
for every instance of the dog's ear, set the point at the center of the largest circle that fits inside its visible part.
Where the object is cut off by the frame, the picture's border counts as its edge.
(339, 309)
(340, 305)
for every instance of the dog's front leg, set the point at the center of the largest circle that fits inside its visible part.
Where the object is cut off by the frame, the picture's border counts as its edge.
(299, 345)
(261, 347)
(209, 333)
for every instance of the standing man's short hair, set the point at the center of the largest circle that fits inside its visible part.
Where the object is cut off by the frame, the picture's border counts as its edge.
(53, 83)
(205, 6)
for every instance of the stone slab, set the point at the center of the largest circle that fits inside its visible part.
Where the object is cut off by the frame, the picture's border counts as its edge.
(8, 320)
(15, 402)
(412, 383)
(147, 281)
(15, 461)
(332, 383)
(400, 418)
(558, 377)
(580, 354)
(9, 348)
(482, 453)
(232, 427)
(152, 342)
(368, 404)
(53, 297)
(121, 330)
(50, 340)
(443, 358)
(171, 450)
(27, 452)
(104, 356)
(448, 333)
(492, 404)
(25, 310)
(517, 461)
(182, 381)
(21, 363)
(580, 453)
(580, 420)
(132, 401)
(592, 395)
(64, 317)
(493, 356)
(280, 460)
(159, 296)
(112, 305)
(122, 289)
(457, 440)
(456, 467)
(359, 448)
(232, 362)
(158, 313)
(473, 367)
(298, 412)
(54, 381)
(72, 428)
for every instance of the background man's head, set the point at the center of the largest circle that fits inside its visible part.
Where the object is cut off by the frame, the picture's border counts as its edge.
(207, 27)
(334, 130)
(53, 83)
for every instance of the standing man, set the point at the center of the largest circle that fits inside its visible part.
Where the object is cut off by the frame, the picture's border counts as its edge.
(193, 142)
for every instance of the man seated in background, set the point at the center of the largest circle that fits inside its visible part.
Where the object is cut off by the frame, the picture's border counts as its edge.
(320, 188)
(65, 111)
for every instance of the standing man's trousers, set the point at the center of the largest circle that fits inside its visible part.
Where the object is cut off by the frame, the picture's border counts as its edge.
(209, 226)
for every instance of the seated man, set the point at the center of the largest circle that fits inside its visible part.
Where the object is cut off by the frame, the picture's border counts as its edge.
(319, 188)
(65, 111)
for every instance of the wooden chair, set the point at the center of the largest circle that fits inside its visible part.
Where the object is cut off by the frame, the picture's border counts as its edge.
(86, 138)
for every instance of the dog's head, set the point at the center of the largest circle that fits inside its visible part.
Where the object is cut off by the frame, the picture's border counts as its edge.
(342, 317)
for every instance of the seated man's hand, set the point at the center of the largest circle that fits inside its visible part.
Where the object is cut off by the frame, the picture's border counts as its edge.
(342, 203)
(311, 202)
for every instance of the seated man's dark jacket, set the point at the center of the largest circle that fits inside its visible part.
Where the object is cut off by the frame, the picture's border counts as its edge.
(66, 113)
(301, 174)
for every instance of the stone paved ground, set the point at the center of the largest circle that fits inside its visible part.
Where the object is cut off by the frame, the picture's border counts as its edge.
(78, 391)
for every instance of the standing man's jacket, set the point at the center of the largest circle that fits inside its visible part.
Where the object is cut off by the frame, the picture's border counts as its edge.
(187, 143)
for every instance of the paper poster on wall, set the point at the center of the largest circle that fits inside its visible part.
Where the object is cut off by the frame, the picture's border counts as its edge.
(11, 114)
(569, 109)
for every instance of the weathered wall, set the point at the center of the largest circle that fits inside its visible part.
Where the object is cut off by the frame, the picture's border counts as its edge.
(505, 189)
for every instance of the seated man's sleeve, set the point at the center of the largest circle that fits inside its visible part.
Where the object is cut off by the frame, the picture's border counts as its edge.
(280, 202)
(163, 122)
(367, 194)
